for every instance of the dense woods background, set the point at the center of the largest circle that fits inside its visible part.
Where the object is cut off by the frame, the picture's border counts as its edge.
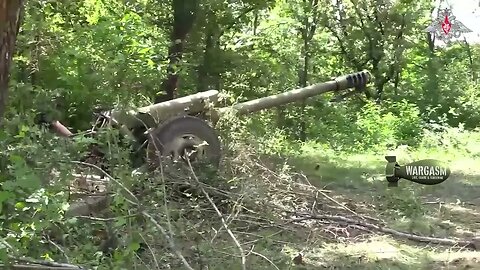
(95, 52)
(73, 57)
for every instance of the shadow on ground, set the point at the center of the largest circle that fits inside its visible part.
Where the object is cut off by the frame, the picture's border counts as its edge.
(365, 175)
(358, 183)
(376, 253)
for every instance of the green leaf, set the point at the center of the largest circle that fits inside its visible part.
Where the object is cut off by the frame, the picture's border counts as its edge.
(28, 182)
(3, 254)
(5, 195)
(65, 206)
(16, 159)
(9, 186)
(20, 205)
(72, 221)
(134, 246)
(144, 50)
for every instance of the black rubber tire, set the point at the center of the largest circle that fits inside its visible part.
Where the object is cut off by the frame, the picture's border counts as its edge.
(178, 126)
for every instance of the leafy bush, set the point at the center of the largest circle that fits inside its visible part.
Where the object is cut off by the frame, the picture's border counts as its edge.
(372, 127)
(455, 139)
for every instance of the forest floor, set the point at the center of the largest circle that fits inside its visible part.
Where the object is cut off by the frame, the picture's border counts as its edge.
(324, 209)
(448, 210)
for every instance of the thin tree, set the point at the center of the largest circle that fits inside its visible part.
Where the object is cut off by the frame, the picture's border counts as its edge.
(184, 14)
(9, 25)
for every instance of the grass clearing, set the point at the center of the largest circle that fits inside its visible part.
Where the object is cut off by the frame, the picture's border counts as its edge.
(448, 210)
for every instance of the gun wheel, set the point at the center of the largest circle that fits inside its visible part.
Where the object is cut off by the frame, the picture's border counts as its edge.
(184, 139)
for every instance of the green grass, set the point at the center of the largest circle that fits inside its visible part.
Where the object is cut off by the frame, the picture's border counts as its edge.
(451, 209)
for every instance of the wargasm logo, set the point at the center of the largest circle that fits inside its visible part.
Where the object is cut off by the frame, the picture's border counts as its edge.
(425, 172)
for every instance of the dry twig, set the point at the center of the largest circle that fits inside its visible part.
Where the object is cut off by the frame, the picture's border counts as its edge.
(30, 263)
(409, 236)
(239, 246)
(170, 241)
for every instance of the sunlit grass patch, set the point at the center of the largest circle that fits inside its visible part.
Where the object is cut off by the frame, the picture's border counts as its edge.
(381, 252)
(448, 210)
(378, 252)
(457, 259)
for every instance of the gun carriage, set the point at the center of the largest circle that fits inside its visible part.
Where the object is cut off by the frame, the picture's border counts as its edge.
(170, 128)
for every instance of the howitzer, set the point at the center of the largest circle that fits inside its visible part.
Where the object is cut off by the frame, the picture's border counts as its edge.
(171, 127)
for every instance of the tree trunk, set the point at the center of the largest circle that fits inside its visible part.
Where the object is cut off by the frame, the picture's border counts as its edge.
(184, 13)
(470, 59)
(208, 71)
(307, 33)
(9, 25)
(303, 83)
(432, 83)
(202, 82)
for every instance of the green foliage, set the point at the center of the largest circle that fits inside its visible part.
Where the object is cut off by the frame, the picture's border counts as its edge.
(403, 203)
(276, 144)
(28, 207)
(397, 125)
(372, 127)
(454, 139)
(75, 56)
(98, 58)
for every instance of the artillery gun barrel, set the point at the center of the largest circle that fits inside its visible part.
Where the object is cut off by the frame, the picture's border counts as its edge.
(357, 79)
(154, 114)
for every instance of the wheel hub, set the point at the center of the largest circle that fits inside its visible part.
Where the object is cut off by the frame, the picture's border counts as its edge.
(184, 138)
(186, 146)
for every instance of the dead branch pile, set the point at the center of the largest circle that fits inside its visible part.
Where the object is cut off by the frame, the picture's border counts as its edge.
(252, 199)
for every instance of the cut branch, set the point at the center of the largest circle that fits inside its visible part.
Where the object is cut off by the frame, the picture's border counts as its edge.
(409, 236)
(224, 223)
(29, 263)
(135, 202)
